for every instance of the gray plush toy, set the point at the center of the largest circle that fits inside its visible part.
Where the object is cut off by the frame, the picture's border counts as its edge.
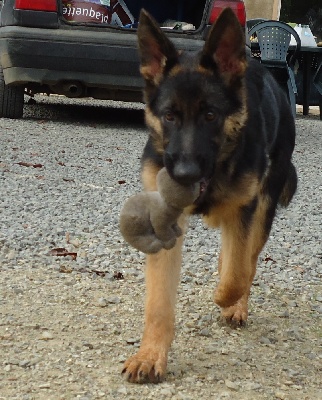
(148, 220)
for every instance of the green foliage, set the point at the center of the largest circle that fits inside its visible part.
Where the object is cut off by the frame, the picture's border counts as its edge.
(296, 10)
(286, 11)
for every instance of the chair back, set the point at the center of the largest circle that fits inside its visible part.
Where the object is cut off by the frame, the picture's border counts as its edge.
(249, 24)
(252, 22)
(274, 39)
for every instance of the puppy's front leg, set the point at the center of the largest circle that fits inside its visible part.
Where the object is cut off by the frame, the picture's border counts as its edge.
(162, 278)
(235, 265)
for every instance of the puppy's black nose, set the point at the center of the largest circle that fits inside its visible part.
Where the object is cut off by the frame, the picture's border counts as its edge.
(186, 172)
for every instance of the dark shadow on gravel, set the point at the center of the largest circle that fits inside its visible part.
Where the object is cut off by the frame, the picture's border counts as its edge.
(61, 109)
(91, 111)
(314, 114)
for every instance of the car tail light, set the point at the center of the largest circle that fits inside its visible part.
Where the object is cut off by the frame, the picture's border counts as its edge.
(38, 5)
(237, 6)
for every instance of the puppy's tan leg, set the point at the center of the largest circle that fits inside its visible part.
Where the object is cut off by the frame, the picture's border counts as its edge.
(237, 314)
(162, 278)
(258, 232)
(234, 264)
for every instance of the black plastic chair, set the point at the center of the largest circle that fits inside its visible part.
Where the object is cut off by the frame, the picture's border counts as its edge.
(274, 39)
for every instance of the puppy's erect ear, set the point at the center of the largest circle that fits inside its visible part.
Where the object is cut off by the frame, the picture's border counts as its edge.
(157, 53)
(225, 47)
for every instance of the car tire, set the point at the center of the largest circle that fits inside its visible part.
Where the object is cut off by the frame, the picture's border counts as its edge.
(11, 99)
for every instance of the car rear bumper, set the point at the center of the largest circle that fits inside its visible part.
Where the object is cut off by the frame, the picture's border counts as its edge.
(96, 59)
(48, 56)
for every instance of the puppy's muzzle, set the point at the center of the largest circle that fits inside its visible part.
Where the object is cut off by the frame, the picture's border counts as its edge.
(186, 173)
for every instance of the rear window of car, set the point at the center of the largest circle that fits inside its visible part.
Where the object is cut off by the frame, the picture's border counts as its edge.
(170, 14)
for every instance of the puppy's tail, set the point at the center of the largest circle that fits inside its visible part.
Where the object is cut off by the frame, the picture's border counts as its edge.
(289, 188)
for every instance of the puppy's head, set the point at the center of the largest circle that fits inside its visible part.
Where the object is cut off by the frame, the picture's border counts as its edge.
(192, 98)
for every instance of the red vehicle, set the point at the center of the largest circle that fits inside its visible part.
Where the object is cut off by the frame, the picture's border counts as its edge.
(88, 48)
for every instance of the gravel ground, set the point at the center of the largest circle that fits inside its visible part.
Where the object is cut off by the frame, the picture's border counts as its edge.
(72, 292)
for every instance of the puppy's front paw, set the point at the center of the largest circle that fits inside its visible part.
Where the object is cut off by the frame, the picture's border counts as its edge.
(235, 315)
(145, 366)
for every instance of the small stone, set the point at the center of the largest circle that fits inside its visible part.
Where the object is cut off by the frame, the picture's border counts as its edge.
(132, 340)
(284, 314)
(122, 390)
(11, 255)
(44, 386)
(205, 332)
(264, 340)
(13, 362)
(24, 363)
(7, 368)
(101, 302)
(27, 397)
(166, 392)
(210, 349)
(292, 372)
(114, 300)
(251, 386)
(183, 396)
(232, 385)
(122, 358)
(224, 395)
(293, 333)
(34, 361)
(46, 335)
(280, 395)
(75, 242)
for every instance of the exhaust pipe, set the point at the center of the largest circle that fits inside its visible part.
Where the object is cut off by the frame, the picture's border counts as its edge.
(69, 89)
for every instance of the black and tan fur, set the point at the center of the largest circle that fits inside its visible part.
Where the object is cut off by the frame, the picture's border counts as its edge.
(216, 119)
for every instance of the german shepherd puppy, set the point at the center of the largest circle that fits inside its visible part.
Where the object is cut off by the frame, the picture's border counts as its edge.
(223, 122)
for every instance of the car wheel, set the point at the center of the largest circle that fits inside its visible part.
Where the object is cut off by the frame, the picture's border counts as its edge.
(11, 99)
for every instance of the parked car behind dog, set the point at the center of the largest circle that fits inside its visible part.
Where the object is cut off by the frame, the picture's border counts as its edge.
(88, 48)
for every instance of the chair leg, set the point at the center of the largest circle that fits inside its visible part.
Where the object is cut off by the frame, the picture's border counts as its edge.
(292, 79)
(292, 97)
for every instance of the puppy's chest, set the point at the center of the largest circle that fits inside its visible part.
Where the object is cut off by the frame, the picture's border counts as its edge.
(227, 196)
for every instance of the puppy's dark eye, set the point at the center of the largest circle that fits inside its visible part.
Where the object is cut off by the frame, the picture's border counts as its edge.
(169, 116)
(210, 116)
